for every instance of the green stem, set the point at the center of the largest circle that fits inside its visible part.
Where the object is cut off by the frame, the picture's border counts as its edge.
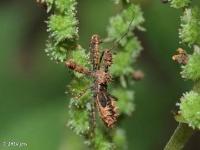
(180, 137)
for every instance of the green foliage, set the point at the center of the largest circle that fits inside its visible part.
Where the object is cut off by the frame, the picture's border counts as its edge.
(190, 34)
(121, 29)
(190, 26)
(121, 22)
(179, 3)
(80, 56)
(130, 50)
(63, 45)
(102, 142)
(66, 7)
(128, 47)
(125, 102)
(79, 108)
(57, 53)
(62, 28)
(190, 109)
(189, 112)
(192, 69)
(120, 139)
(78, 120)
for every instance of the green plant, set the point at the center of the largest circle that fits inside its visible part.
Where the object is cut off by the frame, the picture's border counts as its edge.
(62, 45)
(189, 106)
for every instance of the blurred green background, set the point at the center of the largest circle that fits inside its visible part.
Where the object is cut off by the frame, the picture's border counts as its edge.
(33, 105)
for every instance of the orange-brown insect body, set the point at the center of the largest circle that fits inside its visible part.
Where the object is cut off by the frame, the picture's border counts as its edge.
(107, 107)
(105, 103)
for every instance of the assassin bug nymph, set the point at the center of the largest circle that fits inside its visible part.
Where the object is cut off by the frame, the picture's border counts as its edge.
(101, 62)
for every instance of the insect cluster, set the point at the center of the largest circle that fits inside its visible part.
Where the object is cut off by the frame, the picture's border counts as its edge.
(100, 62)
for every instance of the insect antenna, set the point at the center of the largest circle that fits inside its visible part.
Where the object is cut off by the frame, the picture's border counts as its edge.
(124, 35)
(82, 93)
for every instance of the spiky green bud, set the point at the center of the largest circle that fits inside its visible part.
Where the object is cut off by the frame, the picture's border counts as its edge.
(62, 28)
(192, 69)
(190, 108)
(190, 26)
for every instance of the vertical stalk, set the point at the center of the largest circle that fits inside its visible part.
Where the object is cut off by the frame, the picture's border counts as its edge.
(90, 136)
(180, 137)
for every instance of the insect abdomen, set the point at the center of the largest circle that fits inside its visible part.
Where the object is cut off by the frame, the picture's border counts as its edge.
(107, 109)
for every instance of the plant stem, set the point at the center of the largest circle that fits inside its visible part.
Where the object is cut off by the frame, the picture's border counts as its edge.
(92, 121)
(180, 137)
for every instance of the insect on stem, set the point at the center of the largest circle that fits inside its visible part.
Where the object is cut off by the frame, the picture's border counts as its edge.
(104, 102)
(76, 67)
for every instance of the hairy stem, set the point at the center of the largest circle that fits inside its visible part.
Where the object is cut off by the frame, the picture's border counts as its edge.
(180, 137)
(92, 124)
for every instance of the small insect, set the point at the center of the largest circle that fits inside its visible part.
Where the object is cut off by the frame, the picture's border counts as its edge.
(181, 56)
(101, 62)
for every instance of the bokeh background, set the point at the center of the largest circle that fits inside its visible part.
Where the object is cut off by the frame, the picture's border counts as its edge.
(33, 104)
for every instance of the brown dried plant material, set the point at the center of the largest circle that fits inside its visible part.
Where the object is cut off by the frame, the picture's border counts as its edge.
(181, 56)
(105, 103)
(137, 75)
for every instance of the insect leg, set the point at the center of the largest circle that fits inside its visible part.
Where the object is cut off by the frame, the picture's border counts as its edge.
(82, 93)
(94, 51)
(77, 68)
(106, 59)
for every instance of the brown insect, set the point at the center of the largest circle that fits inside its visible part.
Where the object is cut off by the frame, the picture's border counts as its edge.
(105, 102)
(181, 56)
